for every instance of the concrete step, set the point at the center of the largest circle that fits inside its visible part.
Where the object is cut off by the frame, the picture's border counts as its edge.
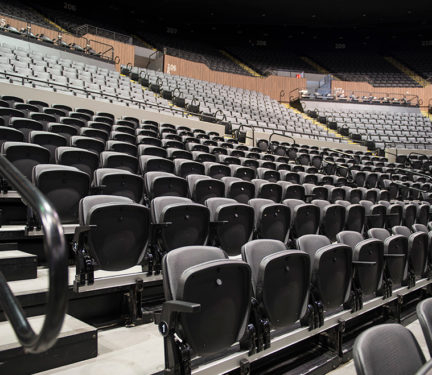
(18, 265)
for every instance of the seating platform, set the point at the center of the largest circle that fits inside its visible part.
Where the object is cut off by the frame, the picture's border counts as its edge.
(18, 265)
(77, 341)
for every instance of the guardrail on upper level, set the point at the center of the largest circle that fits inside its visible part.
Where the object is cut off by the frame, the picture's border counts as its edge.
(57, 256)
(99, 31)
(49, 35)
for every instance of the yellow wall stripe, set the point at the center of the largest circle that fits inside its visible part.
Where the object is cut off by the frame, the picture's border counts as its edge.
(404, 69)
(238, 62)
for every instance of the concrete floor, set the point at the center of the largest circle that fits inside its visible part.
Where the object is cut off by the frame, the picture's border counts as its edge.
(139, 351)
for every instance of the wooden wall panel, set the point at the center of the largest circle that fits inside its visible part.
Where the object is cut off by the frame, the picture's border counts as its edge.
(424, 93)
(125, 52)
(271, 86)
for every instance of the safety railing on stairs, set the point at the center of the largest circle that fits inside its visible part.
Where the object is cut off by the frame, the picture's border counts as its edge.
(57, 256)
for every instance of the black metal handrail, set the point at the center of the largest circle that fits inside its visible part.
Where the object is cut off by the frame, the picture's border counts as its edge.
(143, 103)
(57, 256)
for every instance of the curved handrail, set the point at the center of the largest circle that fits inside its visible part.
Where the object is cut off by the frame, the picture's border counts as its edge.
(55, 250)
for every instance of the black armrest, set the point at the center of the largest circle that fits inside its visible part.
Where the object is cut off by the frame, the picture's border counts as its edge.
(167, 318)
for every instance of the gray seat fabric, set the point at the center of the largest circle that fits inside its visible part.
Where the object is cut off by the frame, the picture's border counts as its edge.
(203, 187)
(181, 222)
(111, 181)
(189, 275)
(112, 159)
(120, 224)
(234, 223)
(24, 156)
(86, 161)
(64, 187)
(158, 184)
(278, 275)
(387, 349)
(424, 314)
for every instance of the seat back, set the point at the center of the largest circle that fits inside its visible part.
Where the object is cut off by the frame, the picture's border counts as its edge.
(181, 222)
(203, 187)
(24, 156)
(64, 187)
(112, 181)
(272, 221)
(159, 184)
(241, 191)
(119, 224)
(234, 223)
(305, 217)
(424, 315)
(278, 275)
(86, 161)
(331, 265)
(387, 349)
(189, 275)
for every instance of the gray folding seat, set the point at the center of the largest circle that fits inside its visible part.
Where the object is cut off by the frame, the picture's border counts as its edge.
(204, 187)
(158, 184)
(108, 118)
(176, 153)
(387, 349)
(216, 150)
(423, 213)
(289, 176)
(332, 218)
(268, 174)
(8, 134)
(239, 190)
(24, 156)
(123, 147)
(66, 131)
(26, 108)
(111, 181)
(124, 129)
(189, 275)
(272, 220)
(87, 143)
(149, 163)
(7, 113)
(169, 143)
(196, 147)
(151, 150)
(179, 222)
(130, 124)
(418, 249)
(151, 141)
(80, 115)
(424, 315)
(394, 214)
(71, 121)
(267, 190)
(12, 99)
(292, 191)
(203, 157)
(185, 167)
(48, 140)
(369, 194)
(395, 254)
(38, 104)
(266, 164)
(216, 170)
(99, 125)
(409, 214)
(242, 172)
(232, 222)
(354, 195)
(278, 274)
(64, 187)
(124, 137)
(308, 178)
(25, 125)
(335, 193)
(375, 214)
(331, 265)
(112, 159)
(305, 217)
(84, 160)
(113, 223)
(94, 133)
(368, 264)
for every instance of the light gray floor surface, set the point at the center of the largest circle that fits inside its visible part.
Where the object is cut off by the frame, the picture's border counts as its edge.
(126, 351)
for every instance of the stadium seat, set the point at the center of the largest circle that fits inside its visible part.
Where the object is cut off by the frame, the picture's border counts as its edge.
(179, 222)
(64, 187)
(110, 181)
(158, 184)
(305, 217)
(48, 140)
(112, 159)
(272, 220)
(24, 156)
(232, 223)
(386, 349)
(331, 265)
(189, 274)
(203, 187)
(332, 219)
